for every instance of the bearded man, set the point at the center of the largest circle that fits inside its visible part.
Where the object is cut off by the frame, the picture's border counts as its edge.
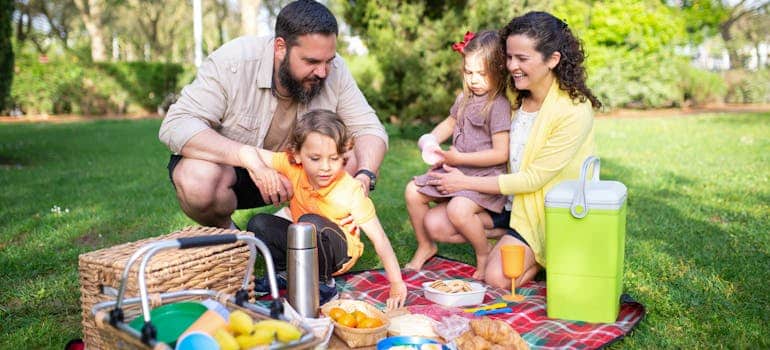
(249, 93)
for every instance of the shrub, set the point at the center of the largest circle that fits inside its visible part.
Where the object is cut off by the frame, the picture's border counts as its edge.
(748, 86)
(68, 85)
(148, 83)
(634, 81)
(700, 86)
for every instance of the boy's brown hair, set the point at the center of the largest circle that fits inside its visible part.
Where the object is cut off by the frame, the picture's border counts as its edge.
(324, 122)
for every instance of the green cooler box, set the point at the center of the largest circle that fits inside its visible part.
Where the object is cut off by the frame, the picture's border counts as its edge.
(585, 225)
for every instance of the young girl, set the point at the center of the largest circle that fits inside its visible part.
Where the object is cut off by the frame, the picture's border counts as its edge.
(478, 122)
(323, 195)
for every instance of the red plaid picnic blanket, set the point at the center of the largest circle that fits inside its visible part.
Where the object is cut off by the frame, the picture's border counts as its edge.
(528, 317)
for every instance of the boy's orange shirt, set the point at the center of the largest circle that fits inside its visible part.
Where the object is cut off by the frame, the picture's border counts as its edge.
(342, 198)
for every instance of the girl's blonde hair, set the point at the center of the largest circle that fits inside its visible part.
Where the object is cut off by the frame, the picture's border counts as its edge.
(486, 45)
(324, 122)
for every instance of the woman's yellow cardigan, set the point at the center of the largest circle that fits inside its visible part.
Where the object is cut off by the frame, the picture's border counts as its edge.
(561, 138)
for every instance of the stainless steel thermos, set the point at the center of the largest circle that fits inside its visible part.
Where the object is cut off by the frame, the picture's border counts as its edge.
(302, 266)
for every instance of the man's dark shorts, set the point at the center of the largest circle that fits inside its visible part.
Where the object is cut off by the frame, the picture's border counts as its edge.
(245, 190)
(503, 220)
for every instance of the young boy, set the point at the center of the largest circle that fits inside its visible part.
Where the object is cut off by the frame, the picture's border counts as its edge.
(324, 195)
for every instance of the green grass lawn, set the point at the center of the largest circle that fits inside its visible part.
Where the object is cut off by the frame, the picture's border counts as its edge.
(697, 252)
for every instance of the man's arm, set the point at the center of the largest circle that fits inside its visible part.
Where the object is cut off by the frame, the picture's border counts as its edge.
(213, 147)
(369, 151)
(200, 107)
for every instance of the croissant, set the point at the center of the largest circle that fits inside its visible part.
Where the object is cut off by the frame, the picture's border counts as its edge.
(469, 341)
(498, 333)
(464, 338)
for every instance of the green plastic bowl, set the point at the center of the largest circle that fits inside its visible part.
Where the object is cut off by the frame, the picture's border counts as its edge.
(171, 320)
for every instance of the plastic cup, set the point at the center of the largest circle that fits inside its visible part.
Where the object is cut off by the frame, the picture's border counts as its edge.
(209, 322)
(429, 155)
(197, 341)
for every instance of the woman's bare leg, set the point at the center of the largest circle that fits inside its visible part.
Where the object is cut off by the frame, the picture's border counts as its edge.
(417, 204)
(494, 274)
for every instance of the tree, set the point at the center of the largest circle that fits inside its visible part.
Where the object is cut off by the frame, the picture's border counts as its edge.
(723, 16)
(756, 30)
(249, 14)
(411, 42)
(6, 52)
(92, 12)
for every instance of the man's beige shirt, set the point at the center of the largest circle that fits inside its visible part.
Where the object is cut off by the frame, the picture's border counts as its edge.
(232, 95)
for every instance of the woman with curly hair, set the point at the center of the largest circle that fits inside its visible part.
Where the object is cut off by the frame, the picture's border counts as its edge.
(551, 134)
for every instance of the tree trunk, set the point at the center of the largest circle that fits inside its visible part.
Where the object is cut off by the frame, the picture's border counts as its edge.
(727, 37)
(249, 16)
(6, 52)
(91, 13)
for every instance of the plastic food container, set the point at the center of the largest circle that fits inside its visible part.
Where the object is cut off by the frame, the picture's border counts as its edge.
(474, 297)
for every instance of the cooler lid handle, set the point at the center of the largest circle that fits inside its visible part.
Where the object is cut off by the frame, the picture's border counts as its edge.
(579, 207)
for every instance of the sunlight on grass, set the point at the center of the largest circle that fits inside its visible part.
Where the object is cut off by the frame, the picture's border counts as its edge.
(698, 232)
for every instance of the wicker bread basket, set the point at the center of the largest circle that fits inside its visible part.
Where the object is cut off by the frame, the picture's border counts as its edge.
(357, 337)
(218, 268)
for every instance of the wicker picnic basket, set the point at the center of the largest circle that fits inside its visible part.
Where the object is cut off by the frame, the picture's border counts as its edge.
(356, 337)
(219, 268)
(112, 317)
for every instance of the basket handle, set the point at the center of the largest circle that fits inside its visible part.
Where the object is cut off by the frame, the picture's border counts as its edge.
(204, 241)
(579, 207)
(148, 250)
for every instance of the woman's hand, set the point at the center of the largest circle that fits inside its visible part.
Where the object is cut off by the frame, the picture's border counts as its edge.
(451, 181)
(397, 296)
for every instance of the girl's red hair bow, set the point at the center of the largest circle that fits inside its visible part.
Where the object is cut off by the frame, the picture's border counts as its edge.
(460, 47)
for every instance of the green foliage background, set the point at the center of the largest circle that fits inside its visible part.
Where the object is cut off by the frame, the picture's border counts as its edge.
(413, 75)
(6, 51)
(75, 87)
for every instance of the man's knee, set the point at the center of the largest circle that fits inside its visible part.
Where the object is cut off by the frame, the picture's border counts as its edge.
(199, 180)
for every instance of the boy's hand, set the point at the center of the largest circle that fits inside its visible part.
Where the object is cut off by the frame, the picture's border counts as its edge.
(397, 296)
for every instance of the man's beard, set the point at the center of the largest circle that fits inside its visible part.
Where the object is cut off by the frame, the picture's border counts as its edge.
(294, 86)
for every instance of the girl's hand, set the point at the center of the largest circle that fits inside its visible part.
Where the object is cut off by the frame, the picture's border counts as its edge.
(449, 182)
(451, 156)
(397, 296)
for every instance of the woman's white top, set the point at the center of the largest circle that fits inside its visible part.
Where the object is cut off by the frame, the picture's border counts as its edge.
(521, 125)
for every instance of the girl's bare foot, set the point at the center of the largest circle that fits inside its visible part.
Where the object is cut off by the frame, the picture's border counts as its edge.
(421, 255)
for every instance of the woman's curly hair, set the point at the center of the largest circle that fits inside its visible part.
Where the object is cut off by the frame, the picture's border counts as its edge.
(551, 35)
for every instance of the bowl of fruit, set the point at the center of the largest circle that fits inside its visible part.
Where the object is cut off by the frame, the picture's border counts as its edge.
(357, 322)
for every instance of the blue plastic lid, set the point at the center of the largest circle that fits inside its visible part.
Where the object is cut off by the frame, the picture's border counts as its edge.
(415, 342)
